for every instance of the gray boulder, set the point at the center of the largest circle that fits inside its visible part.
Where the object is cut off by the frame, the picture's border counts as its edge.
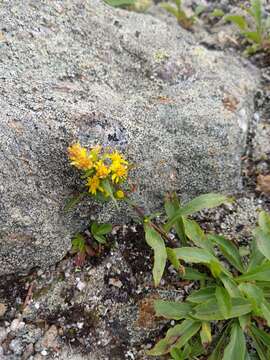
(78, 70)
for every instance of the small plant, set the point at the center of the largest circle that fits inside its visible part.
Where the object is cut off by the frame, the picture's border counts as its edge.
(81, 246)
(235, 293)
(176, 10)
(255, 27)
(103, 172)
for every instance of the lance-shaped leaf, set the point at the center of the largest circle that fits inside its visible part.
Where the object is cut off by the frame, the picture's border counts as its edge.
(224, 301)
(155, 241)
(259, 346)
(171, 309)
(173, 259)
(256, 257)
(205, 201)
(229, 250)
(202, 295)
(264, 220)
(263, 241)
(254, 294)
(262, 335)
(236, 349)
(221, 343)
(117, 3)
(210, 310)
(238, 20)
(265, 307)
(194, 255)
(257, 273)
(195, 233)
(193, 274)
(177, 337)
(172, 205)
(205, 334)
(230, 285)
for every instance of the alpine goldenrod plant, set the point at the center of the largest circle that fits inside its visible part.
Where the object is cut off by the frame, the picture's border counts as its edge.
(234, 292)
(105, 173)
(254, 27)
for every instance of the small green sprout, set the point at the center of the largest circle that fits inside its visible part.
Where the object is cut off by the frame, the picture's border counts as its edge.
(99, 231)
(176, 10)
(254, 26)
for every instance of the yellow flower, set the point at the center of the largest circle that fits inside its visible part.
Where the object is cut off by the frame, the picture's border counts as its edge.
(117, 157)
(80, 157)
(119, 171)
(119, 194)
(102, 170)
(94, 185)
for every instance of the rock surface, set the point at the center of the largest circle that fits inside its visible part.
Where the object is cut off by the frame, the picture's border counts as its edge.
(82, 70)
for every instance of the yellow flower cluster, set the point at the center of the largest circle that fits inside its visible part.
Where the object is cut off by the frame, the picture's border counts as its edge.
(99, 166)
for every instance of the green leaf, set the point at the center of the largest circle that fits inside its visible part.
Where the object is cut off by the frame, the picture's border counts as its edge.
(263, 241)
(260, 348)
(193, 274)
(265, 307)
(224, 302)
(257, 273)
(264, 219)
(244, 321)
(254, 294)
(210, 310)
(78, 243)
(206, 201)
(171, 9)
(205, 334)
(230, 285)
(256, 12)
(217, 13)
(221, 343)
(118, 3)
(100, 238)
(196, 235)
(236, 349)
(262, 335)
(253, 36)
(155, 241)
(108, 188)
(194, 255)
(171, 309)
(202, 295)
(238, 20)
(173, 259)
(177, 337)
(229, 250)
(100, 229)
(177, 354)
(172, 205)
(256, 257)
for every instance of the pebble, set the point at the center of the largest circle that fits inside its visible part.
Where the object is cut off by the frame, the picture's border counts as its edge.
(3, 309)
(3, 334)
(16, 325)
(16, 346)
(115, 282)
(80, 285)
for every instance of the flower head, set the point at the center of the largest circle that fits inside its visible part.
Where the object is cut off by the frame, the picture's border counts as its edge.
(94, 185)
(119, 194)
(102, 171)
(119, 172)
(80, 157)
(117, 158)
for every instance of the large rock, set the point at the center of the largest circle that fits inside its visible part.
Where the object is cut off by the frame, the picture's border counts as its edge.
(82, 70)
